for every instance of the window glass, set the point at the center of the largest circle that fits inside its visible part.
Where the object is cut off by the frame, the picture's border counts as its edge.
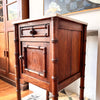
(12, 12)
(1, 3)
(1, 15)
(9, 1)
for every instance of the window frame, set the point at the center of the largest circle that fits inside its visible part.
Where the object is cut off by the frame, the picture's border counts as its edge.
(2, 12)
(8, 4)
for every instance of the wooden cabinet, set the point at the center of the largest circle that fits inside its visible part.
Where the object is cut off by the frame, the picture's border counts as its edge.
(50, 53)
(9, 12)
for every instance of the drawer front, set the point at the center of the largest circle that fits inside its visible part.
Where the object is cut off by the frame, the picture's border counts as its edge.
(40, 30)
(35, 58)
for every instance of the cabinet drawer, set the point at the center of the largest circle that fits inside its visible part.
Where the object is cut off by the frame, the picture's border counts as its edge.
(40, 30)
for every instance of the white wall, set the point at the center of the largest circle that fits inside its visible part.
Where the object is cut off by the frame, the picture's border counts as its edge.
(98, 68)
(93, 20)
(91, 17)
(90, 71)
(91, 67)
(36, 8)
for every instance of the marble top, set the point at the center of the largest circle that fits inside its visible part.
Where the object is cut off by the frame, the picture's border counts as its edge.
(45, 17)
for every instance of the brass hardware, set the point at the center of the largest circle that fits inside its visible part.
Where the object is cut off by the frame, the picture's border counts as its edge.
(54, 41)
(5, 53)
(54, 60)
(52, 96)
(46, 34)
(15, 40)
(82, 87)
(21, 57)
(33, 32)
(54, 78)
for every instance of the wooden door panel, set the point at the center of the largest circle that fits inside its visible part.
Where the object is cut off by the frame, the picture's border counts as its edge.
(11, 53)
(76, 51)
(2, 49)
(34, 59)
(1, 27)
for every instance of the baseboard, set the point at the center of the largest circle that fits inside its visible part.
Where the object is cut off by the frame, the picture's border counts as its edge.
(7, 80)
(24, 86)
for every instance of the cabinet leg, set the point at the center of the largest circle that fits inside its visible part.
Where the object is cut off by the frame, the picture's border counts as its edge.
(55, 97)
(18, 91)
(82, 89)
(47, 95)
(24, 86)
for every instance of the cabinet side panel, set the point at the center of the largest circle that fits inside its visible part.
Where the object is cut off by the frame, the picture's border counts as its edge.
(64, 52)
(76, 51)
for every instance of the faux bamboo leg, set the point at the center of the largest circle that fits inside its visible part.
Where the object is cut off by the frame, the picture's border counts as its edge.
(47, 95)
(82, 89)
(83, 64)
(17, 63)
(55, 97)
(54, 90)
(18, 91)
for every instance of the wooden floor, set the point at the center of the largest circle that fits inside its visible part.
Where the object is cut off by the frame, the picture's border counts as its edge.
(8, 92)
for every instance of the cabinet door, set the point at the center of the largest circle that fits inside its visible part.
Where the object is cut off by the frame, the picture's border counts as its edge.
(3, 60)
(3, 53)
(35, 59)
(11, 15)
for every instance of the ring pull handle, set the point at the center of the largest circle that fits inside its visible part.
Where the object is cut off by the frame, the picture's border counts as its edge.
(33, 32)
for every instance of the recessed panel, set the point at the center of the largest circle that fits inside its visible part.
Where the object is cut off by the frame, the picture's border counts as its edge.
(76, 52)
(11, 53)
(2, 49)
(34, 59)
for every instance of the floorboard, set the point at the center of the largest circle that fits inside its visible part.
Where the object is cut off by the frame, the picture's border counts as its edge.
(8, 92)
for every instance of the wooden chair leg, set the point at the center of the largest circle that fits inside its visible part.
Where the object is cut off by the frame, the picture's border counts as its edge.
(47, 95)
(82, 89)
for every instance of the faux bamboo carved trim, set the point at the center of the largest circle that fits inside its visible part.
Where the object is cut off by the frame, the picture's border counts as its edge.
(16, 53)
(54, 78)
(54, 60)
(82, 87)
(54, 41)
(16, 39)
(83, 76)
(52, 96)
(16, 66)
